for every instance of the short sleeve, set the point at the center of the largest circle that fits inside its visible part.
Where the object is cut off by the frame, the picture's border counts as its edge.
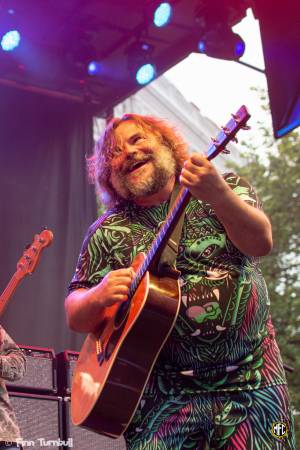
(93, 262)
(243, 189)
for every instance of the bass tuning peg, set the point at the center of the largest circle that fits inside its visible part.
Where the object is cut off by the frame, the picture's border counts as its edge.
(214, 141)
(226, 151)
(226, 130)
(235, 118)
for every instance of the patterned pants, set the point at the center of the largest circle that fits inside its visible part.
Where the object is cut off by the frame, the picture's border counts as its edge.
(244, 420)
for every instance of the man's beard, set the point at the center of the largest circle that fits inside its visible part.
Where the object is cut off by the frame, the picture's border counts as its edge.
(132, 188)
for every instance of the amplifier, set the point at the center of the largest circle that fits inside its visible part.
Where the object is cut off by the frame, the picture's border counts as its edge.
(40, 373)
(66, 362)
(40, 420)
(83, 439)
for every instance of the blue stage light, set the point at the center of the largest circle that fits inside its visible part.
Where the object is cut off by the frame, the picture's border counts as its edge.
(201, 46)
(10, 40)
(145, 74)
(162, 14)
(94, 68)
(239, 48)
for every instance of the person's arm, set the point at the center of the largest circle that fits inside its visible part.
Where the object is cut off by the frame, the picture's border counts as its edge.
(246, 226)
(85, 307)
(12, 358)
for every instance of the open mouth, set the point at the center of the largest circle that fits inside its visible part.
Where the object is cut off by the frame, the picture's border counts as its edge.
(137, 165)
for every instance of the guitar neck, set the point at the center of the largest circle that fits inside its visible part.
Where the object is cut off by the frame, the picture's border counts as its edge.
(217, 146)
(164, 233)
(7, 293)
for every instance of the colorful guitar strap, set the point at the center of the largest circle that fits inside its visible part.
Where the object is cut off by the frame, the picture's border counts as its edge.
(167, 261)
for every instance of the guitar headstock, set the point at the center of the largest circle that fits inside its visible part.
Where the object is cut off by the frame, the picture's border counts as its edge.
(227, 133)
(31, 256)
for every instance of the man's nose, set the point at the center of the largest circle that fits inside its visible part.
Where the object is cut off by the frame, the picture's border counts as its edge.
(129, 149)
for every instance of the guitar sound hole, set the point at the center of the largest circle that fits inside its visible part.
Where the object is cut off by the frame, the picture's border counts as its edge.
(121, 314)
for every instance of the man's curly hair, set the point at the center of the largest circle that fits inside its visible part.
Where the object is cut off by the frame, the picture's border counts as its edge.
(99, 164)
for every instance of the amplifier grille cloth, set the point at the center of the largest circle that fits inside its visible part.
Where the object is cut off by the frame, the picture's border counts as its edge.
(38, 376)
(38, 418)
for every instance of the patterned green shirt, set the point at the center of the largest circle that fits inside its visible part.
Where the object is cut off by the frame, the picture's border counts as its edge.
(223, 332)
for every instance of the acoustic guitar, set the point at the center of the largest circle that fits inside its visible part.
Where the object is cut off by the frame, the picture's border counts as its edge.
(26, 265)
(116, 361)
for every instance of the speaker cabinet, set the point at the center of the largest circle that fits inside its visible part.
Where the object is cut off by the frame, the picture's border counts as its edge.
(83, 439)
(39, 418)
(40, 373)
(66, 362)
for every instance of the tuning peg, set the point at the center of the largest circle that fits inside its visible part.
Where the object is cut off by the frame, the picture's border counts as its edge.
(246, 127)
(234, 139)
(226, 130)
(214, 141)
(27, 246)
(235, 118)
(226, 151)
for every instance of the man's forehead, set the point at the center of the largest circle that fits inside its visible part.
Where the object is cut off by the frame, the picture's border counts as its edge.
(127, 128)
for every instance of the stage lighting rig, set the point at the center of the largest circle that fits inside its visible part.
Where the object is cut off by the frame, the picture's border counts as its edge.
(222, 43)
(10, 34)
(162, 14)
(214, 36)
(140, 62)
(10, 40)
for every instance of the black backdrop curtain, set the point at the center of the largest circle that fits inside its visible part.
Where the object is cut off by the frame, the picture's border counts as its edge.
(43, 142)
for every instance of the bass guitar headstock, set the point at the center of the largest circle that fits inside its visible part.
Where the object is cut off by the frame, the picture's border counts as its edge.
(31, 256)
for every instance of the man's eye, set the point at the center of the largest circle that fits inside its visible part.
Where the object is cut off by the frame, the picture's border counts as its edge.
(136, 139)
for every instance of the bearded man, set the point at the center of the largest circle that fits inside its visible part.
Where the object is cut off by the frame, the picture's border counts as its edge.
(219, 378)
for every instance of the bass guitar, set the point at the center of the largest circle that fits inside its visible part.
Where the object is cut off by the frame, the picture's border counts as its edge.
(116, 361)
(26, 265)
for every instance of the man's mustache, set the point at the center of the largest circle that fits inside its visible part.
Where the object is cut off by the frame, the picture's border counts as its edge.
(132, 159)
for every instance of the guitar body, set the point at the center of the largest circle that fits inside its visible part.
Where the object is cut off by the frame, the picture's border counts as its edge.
(115, 363)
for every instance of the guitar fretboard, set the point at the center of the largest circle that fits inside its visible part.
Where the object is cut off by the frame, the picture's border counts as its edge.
(162, 237)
